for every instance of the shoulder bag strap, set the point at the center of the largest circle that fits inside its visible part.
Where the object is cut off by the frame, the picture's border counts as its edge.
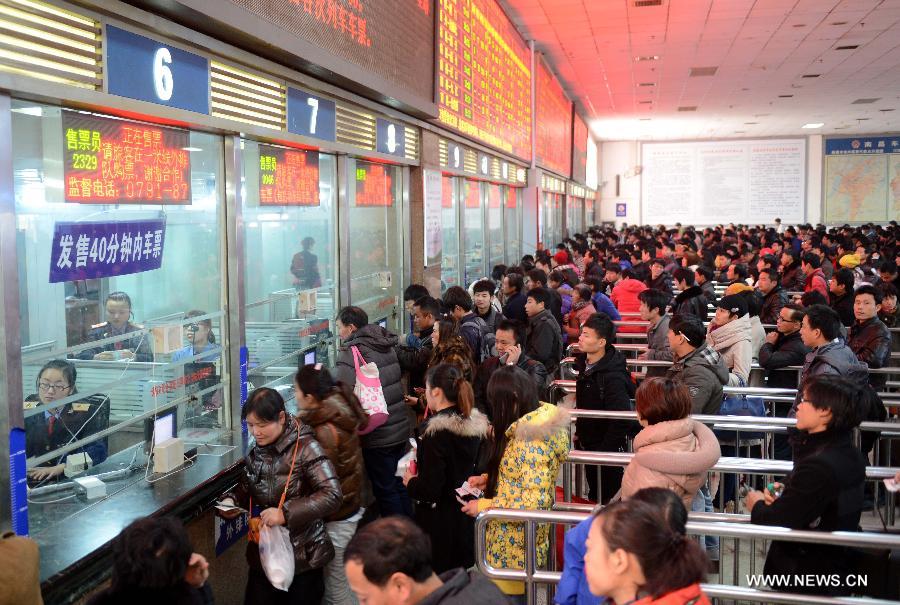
(293, 462)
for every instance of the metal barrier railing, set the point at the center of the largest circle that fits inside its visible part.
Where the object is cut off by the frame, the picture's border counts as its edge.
(532, 576)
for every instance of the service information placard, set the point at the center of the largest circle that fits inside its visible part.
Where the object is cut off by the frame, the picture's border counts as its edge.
(374, 185)
(109, 161)
(553, 126)
(484, 76)
(288, 177)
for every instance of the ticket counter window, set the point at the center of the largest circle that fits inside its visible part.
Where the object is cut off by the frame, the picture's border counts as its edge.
(473, 232)
(118, 243)
(290, 260)
(495, 226)
(547, 220)
(512, 224)
(376, 241)
(449, 233)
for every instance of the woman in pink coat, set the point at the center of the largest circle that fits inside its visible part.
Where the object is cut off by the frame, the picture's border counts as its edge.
(672, 451)
(582, 308)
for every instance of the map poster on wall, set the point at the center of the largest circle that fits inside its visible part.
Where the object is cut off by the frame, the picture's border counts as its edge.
(862, 179)
(484, 75)
(288, 177)
(743, 181)
(109, 161)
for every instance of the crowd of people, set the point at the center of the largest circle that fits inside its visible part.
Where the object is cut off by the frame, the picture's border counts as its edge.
(469, 384)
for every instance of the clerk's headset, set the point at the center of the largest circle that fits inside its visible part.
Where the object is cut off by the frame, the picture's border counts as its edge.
(121, 297)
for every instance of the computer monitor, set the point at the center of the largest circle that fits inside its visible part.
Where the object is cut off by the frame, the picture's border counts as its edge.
(160, 427)
(309, 358)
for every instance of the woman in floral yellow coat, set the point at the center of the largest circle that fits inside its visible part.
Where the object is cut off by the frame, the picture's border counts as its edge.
(531, 441)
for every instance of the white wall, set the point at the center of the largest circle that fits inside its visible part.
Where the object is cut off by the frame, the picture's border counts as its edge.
(621, 157)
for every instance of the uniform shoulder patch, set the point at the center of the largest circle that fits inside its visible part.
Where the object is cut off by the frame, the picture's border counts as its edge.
(30, 405)
(81, 407)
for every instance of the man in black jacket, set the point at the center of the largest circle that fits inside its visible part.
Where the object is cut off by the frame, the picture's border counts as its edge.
(604, 383)
(543, 339)
(870, 339)
(383, 447)
(510, 342)
(691, 300)
(823, 492)
(704, 278)
(774, 296)
(537, 278)
(513, 289)
(783, 348)
(840, 295)
(471, 327)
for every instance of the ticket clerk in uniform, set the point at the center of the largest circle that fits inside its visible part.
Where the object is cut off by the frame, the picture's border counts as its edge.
(118, 316)
(54, 428)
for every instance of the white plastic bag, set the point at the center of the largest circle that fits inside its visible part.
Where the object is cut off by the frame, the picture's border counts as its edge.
(408, 458)
(277, 555)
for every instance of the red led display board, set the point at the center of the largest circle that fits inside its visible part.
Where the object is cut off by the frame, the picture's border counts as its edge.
(108, 161)
(473, 194)
(553, 123)
(484, 75)
(374, 185)
(288, 177)
(493, 196)
(446, 192)
(579, 149)
(510, 197)
(393, 39)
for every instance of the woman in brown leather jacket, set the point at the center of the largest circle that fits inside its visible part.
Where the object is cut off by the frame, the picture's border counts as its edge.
(311, 494)
(335, 414)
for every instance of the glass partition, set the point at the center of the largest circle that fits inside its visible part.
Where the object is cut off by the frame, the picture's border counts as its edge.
(547, 218)
(495, 226)
(376, 240)
(449, 233)
(290, 260)
(119, 236)
(513, 227)
(473, 232)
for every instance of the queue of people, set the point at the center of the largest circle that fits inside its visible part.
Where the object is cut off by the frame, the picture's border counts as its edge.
(372, 516)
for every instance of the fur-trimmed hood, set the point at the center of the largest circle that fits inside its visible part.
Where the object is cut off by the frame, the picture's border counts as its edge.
(540, 424)
(476, 425)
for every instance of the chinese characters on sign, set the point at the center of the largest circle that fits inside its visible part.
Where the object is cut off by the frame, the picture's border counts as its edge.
(374, 185)
(288, 177)
(579, 150)
(553, 124)
(94, 250)
(473, 194)
(108, 161)
(484, 75)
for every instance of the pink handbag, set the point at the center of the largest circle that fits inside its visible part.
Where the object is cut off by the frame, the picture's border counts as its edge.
(369, 392)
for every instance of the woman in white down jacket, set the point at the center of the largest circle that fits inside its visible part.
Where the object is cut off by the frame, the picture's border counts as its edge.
(729, 334)
(672, 451)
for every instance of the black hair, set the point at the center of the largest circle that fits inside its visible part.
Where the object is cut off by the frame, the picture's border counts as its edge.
(603, 325)
(812, 259)
(388, 546)
(150, 553)
(67, 369)
(498, 272)
(538, 276)
(706, 272)
(511, 394)
(264, 403)
(769, 259)
(556, 276)
(797, 312)
(430, 306)
(210, 337)
(741, 271)
(414, 292)
(824, 319)
(515, 281)
(685, 275)
(540, 295)
(887, 289)
(844, 277)
(837, 394)
(456, 296)
(659, 261)
(869, 289)
(353, 316)
(888, 267)
(655, 299)
(119, 297)
(484, 285)
(595, 283)
(614, 267)
(690, 327)
(813, 297)
(514, 326)
(753, 301)
(453, 383)
(584, 292)
(773, 274)
(315, 380)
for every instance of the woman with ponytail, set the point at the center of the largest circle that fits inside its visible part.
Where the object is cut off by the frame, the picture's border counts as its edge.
(638, 553)
(448, 445)
(334, 413)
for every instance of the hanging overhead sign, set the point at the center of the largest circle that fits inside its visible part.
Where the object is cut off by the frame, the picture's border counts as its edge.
(311, 115)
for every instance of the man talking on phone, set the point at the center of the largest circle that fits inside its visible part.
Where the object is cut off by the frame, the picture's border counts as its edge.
(510, 345)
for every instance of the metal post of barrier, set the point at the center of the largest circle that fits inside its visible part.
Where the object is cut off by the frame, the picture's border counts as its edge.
(530, 531)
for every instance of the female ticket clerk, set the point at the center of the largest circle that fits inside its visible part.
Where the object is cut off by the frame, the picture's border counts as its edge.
(118, 323)
(57, 427)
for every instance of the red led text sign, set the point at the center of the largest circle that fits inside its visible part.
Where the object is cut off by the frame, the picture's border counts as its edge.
(473, 194)
(288, 177)
(484, 75)
(447, 192)
(107, 161)
(553, 124)
(579, 150)
(374, 185)
(510, 197)
(494, 196)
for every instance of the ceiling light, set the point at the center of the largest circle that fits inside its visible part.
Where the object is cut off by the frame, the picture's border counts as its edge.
(644, 102)
(891, 109)
(644, 119)
(647, 58)
(785, 96)
(697, 72)
(865, 101)
(688, 108)
(647, 84)
(813, 125)
(811, 75)
(645, 3)
(799, 24)
(839, 23)
(750, 123)
(861, 119)
(740, 132)
(848, 47)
